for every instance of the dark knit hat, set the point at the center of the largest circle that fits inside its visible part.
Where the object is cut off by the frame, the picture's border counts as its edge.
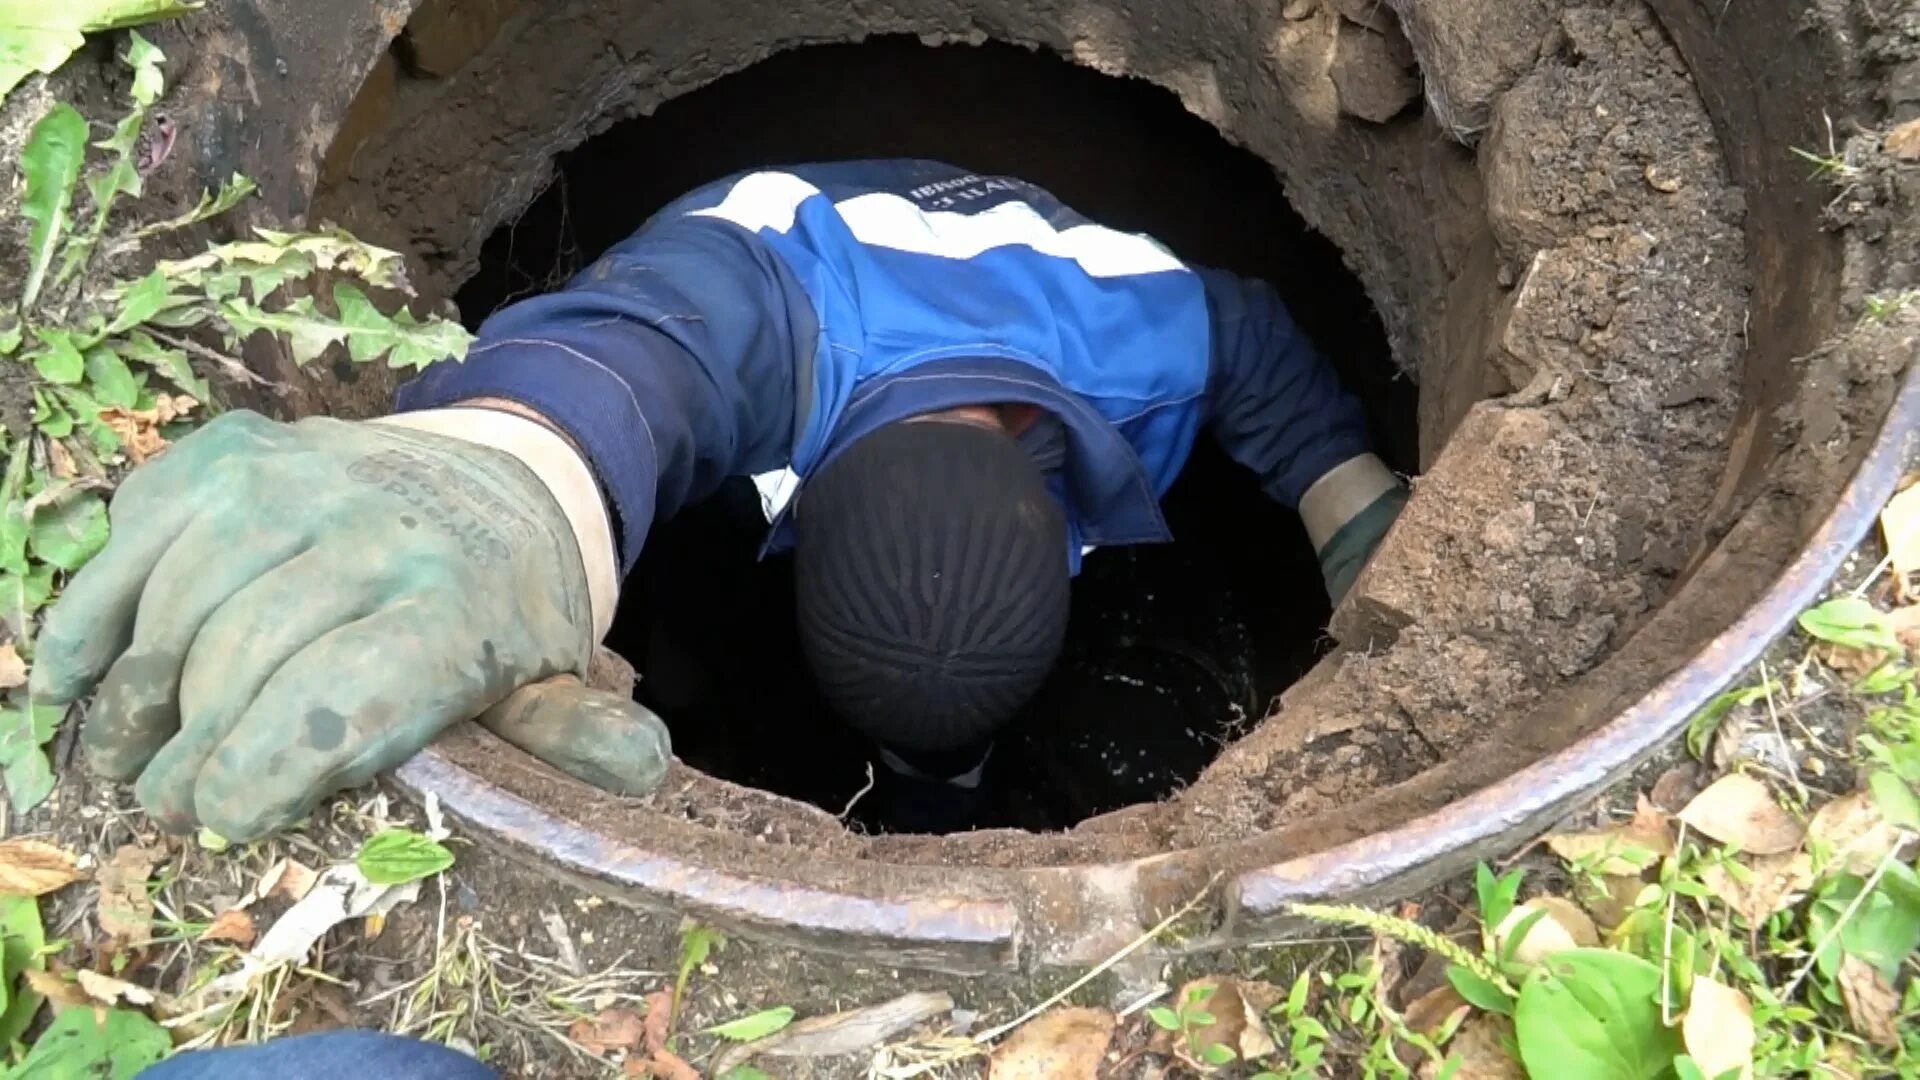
(930, 564)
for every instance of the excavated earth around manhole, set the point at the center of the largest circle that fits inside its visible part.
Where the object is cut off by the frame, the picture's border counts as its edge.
(1651, 413)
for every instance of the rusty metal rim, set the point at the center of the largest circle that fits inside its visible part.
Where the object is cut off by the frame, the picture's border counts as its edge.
(1445, 841)
(971, 933)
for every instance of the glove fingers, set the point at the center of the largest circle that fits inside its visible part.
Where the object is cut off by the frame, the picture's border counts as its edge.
(93, 621)
(239, 648)
(138, 708)
(358, 700)
(607, 740)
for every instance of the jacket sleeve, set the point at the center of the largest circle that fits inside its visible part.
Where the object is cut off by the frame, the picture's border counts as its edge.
(1274, 403)
(670, 362)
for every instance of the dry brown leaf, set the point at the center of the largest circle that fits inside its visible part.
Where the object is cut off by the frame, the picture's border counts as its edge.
(1239, 1010)
(1854, 833)
(139, 429)
(1905, 624)
(1562, 926)
(63, 992)
(1718, 1028)
(13, 670)
(1871, 1003)
(854, 1031)
(288, 878)
(108, 990)
(1608, 900)
(60, 460)
(1623, 850)
(126, 912)
(659, 1014)
(34, 868)
(1066, 1043)
(1479, 1049)
(1903, 141)
(1675, 787)
(1738, 809)
(662, 1064)
(1851, 661)
(609, 1030)
(1430, 1011)
(1900, 519)
(233, 925)
(1777, 882)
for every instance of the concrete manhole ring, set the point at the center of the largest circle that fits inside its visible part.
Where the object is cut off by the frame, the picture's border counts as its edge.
(1652, 418)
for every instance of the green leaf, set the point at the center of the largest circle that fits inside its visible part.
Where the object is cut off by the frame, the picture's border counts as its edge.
(51, 161)
(143, 300)
(1685, 1068)
(23, 943)
(23, 594)
(1297, 996)
(757, 1026)
(404, 341)
(172, 364)
(1594, 1014)
(1164, 1018)
(113, 383)
(145, 60)
(307, 332)
(1704, 723)
(1218, 1054)
(744, 1072)
(397, 856)
(10, 338)
(29, 779)
(1519, 935)
(1850, 620)
(1479, 992)
(50, 416)
(211, 205)
(18, 735)
(58, 360)
(69, 532)
(112, 1044)
(1895, 799)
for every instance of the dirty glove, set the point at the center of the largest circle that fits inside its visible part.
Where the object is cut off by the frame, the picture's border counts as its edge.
(1347, 512)
(285, 610)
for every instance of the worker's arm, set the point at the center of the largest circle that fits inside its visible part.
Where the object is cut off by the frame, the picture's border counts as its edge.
(284, 610)
(1277, 407)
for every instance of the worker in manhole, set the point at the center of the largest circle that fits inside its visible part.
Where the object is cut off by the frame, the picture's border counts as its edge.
(944, 389)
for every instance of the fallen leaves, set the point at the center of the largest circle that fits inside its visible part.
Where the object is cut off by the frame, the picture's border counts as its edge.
(1772, 883)
(1544, 925)
(233, 924)
(1621, 851)
(108, 990)
(34, 868)
(13, 670)
(139, 429)
(1739, 810)
(126, 912)
(849, 1032)
(1871, 1004)
(1065, 1043)
(1850, 833)
(1480, 1047)
(1718, 1028)
(609, 1030)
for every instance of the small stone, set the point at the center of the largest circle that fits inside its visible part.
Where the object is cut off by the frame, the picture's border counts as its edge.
(1903, 142)
(1661, 180)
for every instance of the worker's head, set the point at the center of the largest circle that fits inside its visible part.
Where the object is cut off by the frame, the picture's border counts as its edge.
(931, 571)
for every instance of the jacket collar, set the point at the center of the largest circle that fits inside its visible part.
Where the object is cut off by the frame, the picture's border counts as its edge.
(1109, 496)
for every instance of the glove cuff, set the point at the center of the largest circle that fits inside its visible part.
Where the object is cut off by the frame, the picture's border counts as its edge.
(1342, 494)
(560, 469)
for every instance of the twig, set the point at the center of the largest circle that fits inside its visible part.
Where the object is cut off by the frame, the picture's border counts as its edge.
(1158, 992)
(858, 795)
(1880, 568)
(1099, 969)
(228, 364)
(1786, 748)
(1900, 841)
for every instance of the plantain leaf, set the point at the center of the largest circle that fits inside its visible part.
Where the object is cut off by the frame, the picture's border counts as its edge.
(112, 381)
(397, 856)
(52, 159)
(113, 1044)
(68, 533)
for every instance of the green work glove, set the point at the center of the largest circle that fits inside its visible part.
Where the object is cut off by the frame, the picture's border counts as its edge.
(285, 610)
(1344, 555)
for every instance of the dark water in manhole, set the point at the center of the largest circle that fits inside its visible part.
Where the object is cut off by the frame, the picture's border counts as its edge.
(1171, 649)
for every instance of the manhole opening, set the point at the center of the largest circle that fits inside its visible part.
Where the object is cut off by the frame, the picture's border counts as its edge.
(1173, 650)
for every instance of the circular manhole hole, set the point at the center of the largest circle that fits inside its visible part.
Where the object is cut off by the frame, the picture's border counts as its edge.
(1576, 231)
